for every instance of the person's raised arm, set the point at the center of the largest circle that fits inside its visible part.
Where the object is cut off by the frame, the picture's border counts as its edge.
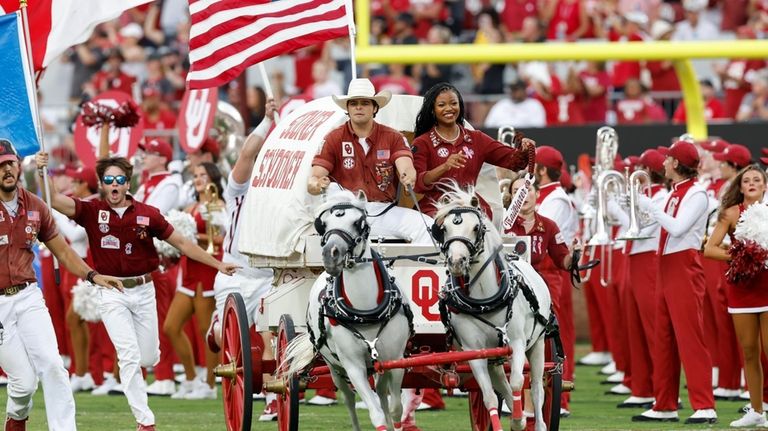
(194, 252)
(60, 202)
(243, 168)
(713, 248)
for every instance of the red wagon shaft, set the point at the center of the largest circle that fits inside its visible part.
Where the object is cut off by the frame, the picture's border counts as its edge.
(442, 358)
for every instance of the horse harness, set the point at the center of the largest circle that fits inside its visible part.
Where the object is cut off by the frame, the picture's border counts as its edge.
(336, 308)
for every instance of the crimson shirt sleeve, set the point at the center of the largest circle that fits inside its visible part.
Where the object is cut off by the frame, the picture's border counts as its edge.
(421, 163)
(556, 248)
(83, 209)
(399, 148)
(158, 225)
(502, 155)
(326, 158)
(48, 229)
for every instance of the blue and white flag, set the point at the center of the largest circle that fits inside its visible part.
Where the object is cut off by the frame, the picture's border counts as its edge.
(18, 98)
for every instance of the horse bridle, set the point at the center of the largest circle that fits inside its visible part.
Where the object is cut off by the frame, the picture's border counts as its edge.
(361, 224)
(475, 247)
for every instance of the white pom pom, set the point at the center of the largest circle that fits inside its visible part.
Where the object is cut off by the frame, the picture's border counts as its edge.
(86, 300)
(752, 225)
(182, 222)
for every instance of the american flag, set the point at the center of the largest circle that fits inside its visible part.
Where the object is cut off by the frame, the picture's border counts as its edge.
(227, 36)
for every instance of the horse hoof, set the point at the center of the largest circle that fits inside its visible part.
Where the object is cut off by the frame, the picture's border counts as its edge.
(518, 425)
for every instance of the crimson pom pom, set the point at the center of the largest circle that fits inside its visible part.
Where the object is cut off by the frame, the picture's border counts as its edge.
(126, 115)
(747, 260)
(94, 114)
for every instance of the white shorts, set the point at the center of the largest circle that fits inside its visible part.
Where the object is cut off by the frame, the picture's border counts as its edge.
(251, 288)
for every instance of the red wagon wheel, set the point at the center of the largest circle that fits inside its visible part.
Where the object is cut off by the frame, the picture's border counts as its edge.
(478, 414)
(235, 368)
(552, 391)
(287, 402)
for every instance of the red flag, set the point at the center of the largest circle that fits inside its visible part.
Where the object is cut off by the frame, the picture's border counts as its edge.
(227, 36)
(55, 25)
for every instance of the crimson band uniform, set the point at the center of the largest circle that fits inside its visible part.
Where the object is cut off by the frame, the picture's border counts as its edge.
(680, 292)
(162, 190)
(122, 243)
(29, 350)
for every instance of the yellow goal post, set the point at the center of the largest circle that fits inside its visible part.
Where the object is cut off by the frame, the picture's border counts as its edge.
(680, 53)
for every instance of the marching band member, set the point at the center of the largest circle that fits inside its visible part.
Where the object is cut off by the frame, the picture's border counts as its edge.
(555, 204)
(363, 155)
(208, 152)
(251, 283)
(120, 231)
(680, 291)
(28, 347)
(161, 189)
(195, 295)
(639, 298)
(444, 150)
(747, 301)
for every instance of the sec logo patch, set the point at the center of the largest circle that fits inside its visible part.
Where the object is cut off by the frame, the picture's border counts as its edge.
(442, 152)
(349, 163)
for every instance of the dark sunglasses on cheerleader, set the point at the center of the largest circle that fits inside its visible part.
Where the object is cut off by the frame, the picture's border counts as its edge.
(109, 179)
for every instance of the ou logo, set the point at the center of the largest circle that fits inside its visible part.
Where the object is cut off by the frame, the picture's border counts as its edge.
(196, 116)
(425, 285)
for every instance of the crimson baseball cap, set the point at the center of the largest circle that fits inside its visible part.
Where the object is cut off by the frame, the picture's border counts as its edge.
(714, 145)
(764, 151)
(653, 160)
(549, 157)
(159, 147)
(210, 145)
(663, 150)
(737, 154)
(7, 152)
(87, 176)
(685, 153)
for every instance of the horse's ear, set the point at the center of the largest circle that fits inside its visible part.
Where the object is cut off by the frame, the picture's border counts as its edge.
(361, 196)
(445, 200)
(475, 202)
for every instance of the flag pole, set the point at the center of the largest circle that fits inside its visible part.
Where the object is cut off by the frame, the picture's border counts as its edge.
(352, 35)
(38, 123)
(267, 87)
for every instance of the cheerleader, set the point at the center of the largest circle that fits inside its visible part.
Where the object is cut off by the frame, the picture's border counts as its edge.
(747, 300)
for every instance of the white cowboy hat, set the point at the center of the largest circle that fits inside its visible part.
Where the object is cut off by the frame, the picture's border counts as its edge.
(362, 88)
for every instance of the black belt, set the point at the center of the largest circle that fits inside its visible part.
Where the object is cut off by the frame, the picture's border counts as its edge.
(16, 288)
(131, 282)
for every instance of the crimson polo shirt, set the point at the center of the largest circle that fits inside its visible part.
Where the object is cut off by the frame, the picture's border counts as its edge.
(374, 173)
(431, 151)
(122, 246)
(546, 239)
(17, 236)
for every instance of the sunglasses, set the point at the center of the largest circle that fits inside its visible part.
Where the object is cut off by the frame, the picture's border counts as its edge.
(109, 179)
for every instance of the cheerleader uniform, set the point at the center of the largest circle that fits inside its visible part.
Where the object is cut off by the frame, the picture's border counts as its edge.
(193, 272)
(749, 296)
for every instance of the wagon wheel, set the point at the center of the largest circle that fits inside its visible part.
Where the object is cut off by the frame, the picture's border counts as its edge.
(552, 391)
(235, 368)
(287, 402)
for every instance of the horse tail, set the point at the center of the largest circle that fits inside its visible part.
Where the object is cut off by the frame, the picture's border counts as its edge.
(299, 354)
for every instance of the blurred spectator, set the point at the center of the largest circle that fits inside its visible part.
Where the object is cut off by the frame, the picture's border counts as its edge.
(157, 115)
(567, 19)
(402, 30)
(133, 53)
(735, 14)
(592, 85)
(427, 13)
(635, 107)
(322, 84)
(157, 81)
(649, 8)
(488, 78)
(304, 58)
(559, 103)
(175, 72)
(172, 14)
(87, 60)
(255, 100)
(737, 75)
(514, 13)
(111, 76)
(395, 81)
(630, 28)
(662, 73)
(713, 108)
(695, 26)
(754, 106)
(519, 110)
(431, 74)
(532, 31)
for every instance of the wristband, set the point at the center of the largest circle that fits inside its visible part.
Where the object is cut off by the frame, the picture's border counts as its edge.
(263, 128)
(89, 277)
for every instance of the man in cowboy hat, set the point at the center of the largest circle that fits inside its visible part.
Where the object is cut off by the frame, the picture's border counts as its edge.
(363, 155)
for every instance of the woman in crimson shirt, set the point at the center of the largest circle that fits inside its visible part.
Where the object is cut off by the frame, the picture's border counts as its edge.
(444, 150)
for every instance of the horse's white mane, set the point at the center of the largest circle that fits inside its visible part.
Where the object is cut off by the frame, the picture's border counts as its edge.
(343, 196)
(455, 196)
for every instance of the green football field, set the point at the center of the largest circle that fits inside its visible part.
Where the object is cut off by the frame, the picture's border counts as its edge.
(591, 410)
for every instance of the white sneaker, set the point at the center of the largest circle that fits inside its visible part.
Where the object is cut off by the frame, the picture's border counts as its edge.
(117, 390)
(81, 383)
(319, 400)
(748, 407)
(703, 416)
(726, 394)
(616, 377)
(106, 386)
(185, 388)
(178, 368)
(620, 389)
(162, 388)
(360, 405)
(744, 395)
(270, 412)
(596, 358)
(715, 376)
(3, 381)
(258, 396)
(609, 369)
(505, 408)
(202, 392)
(750, 419)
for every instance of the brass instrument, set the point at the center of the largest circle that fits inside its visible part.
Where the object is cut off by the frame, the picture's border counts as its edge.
(212, 206)
(636, 183)
(506, 135)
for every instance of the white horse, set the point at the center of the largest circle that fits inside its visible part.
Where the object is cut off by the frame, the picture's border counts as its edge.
(486, 303)
(356, 315)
